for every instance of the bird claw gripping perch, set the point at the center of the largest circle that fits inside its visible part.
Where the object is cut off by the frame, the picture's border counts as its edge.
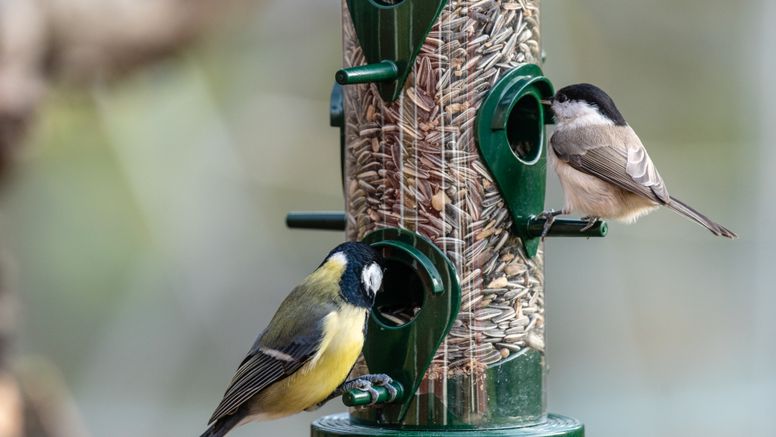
(591, 221)
(550, 217)
(383, 380)
(363, 385)
(370, 390)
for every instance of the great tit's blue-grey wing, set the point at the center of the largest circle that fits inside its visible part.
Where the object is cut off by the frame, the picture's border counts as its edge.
(292, 338)
(614, 154)
(261, 369)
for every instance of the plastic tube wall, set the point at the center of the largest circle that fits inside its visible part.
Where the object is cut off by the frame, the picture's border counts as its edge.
(414, 164)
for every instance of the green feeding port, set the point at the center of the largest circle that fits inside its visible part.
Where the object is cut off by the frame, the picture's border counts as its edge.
(414, 312)
(511, 141)
(524, 129)
(402, 296)
(391, 34)
(409, 276)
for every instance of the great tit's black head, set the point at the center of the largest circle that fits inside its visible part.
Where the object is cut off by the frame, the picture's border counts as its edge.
(585, 104)
(363, 274)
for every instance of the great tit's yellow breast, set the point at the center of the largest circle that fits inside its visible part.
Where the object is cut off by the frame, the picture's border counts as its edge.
(341, 345)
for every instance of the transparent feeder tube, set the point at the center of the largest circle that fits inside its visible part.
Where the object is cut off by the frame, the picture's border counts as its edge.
(414, 164)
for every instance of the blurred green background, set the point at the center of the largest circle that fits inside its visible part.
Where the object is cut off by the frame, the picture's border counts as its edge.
(147, 223)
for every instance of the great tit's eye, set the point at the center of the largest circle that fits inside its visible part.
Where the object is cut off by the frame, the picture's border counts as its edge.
(561, 98)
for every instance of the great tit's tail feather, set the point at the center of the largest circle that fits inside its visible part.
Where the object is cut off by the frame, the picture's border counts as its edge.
(220, 427)
(717, 229)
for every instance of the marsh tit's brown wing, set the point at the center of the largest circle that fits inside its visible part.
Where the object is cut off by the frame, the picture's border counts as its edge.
(614, 154)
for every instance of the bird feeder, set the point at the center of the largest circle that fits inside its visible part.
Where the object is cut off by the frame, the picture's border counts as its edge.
(444, 166)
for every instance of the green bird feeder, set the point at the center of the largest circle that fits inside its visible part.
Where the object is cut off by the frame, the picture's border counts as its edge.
(444, 163)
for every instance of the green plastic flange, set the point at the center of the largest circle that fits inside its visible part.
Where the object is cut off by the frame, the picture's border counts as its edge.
(391, 36)
(338, 425)
(405, 352)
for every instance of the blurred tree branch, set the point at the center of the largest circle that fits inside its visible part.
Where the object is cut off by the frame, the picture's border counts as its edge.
(79, 42)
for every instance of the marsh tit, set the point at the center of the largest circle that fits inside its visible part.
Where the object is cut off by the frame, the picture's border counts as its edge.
(310, 346)
(603, 167)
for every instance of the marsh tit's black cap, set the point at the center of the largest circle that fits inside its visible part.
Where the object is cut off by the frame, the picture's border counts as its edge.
(591, 95)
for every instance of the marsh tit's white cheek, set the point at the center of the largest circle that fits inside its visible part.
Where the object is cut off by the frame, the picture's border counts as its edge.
(574, 114)
(372, 277)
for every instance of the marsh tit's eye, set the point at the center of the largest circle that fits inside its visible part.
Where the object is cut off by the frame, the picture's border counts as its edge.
(560, 98)
(372, 278)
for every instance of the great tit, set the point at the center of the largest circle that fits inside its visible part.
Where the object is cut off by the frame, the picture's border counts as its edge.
(310, 346)
(603, 167)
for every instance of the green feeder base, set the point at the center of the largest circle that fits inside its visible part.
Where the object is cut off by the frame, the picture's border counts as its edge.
(339, 425)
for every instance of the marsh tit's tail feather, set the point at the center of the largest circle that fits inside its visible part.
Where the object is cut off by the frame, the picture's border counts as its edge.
(683, 209)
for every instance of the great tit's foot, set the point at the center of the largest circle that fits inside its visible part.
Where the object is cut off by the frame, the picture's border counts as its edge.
(383, 380)
(550, 217)
(591, 221)
(363, 384)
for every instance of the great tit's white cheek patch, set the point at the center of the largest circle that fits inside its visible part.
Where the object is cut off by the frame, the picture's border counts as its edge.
(372, 277)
